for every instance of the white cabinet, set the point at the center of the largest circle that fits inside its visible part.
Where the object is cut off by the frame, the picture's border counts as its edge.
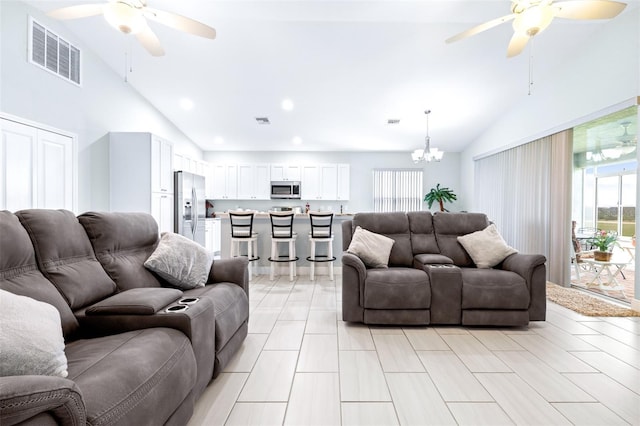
(343, 182)
(140, 174)
(212, 236)
(225, 181)
(282, 172)
(38, 167)
(254, 182)
(319, 182)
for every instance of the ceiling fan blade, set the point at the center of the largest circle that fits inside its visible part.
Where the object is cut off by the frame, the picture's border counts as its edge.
(588, 9)
(79, 11)
(180, 22)
(517, 44)
(150, 41)
(482, 27)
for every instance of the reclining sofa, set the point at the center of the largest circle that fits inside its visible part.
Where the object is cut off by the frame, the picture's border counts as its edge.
(136, 355)
(431, 279)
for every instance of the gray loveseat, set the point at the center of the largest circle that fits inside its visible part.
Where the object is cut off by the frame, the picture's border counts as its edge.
(432, 280)
(131, 358)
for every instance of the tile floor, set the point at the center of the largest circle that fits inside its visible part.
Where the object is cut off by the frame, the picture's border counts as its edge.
(302, 365)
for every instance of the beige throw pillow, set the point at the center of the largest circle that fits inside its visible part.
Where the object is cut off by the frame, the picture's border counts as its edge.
(373, 249)
(31, 341)
(180, 261)
(487, 248)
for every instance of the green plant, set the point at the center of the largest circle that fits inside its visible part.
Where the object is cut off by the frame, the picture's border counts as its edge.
(441, 195)
(604, 240)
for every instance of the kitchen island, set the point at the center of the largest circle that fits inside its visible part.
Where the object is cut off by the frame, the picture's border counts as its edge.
(302, 226)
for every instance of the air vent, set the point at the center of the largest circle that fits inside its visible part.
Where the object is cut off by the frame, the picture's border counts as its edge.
(263, 120)
(393, 121)
(53, 53)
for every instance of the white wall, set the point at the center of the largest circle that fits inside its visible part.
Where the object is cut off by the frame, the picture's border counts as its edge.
(604, 72)
(361, 164)
(104, 103)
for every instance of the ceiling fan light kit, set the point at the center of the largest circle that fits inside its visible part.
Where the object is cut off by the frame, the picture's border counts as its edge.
(531, 17)
(428, 153)
(130, 17)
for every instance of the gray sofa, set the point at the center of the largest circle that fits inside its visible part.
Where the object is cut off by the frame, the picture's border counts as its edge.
(431, 279)
(131, 360)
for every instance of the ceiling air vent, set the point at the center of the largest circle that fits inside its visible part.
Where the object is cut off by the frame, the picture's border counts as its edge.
(53, 53)
(393, 121)
(263, 120)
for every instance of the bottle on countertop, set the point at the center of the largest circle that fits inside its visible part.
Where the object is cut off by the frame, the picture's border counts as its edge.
(306, 208)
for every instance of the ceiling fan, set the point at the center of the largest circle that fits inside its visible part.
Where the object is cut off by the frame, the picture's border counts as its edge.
(130, 17)
(531, 17)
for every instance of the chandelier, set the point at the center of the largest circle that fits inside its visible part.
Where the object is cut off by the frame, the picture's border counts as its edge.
(427, 154)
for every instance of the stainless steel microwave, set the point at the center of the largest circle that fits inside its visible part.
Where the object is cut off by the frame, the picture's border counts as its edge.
(285, 190)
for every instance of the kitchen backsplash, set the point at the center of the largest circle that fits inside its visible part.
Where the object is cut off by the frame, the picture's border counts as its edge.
(266, 205)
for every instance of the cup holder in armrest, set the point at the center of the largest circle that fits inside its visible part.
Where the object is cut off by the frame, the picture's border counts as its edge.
(188, 300)
(176, 308)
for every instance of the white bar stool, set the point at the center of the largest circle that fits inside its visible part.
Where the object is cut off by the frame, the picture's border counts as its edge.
(282, 232)
(321, 232)
(242, 232)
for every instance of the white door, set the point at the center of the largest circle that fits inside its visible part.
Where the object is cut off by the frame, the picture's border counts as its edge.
(310, 183)
(162, 211)
(245, 182)
(55, 171)
(328, 176)
(343, 182)
(18, 164)
(262, 182)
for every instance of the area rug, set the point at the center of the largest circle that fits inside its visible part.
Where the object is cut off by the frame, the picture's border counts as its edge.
(584, 304)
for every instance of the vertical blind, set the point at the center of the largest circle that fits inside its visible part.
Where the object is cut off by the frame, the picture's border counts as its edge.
(526, 192)
(397, 190)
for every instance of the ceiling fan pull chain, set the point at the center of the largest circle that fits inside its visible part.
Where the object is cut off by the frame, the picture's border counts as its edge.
(531, 66)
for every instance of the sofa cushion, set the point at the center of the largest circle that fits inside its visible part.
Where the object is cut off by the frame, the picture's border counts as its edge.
(397, 288)
(122, 243)
(19, 271)
(493, 289)
(65, 256)
(30, 337)
(423, 237)
(180, 261)
(135, 377)
(393, 225)
(487, 248)
(449, 226)
(373, 249)
(231, 306)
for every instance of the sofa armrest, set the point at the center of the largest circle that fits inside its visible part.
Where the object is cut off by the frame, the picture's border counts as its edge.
(354, 273)
(234, 270)
(532, 268)
(24, 397)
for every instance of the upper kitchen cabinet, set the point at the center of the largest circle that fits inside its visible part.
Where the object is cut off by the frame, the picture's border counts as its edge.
(141, 176)
(254, 182)
(38, 166)
(319, 182)
(225, 181)
(343, 182)
(283, 172)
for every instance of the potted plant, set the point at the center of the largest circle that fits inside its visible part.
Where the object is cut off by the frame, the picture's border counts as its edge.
(441, 195)
(603, 241)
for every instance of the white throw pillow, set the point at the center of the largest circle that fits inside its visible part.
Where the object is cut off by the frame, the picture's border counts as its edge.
(374, 249)
(180, 261)
(31, 340)
(487, 248)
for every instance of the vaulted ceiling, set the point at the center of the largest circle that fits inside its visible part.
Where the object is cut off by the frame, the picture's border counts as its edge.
(348, 66)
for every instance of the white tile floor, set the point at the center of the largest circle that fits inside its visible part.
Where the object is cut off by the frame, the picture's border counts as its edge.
(302, 365)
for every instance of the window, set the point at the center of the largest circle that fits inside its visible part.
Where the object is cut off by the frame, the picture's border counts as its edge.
(53, 53)
(397, 190)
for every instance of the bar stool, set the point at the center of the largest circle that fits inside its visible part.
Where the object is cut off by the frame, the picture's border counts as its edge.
(321, 232)
(242, 232)
(282, 232)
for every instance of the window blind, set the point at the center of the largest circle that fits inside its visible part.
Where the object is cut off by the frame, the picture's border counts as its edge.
(397, 190)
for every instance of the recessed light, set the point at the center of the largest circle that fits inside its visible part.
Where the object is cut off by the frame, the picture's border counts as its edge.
(287, 104)
(218, 140)
(297, 140)
(186, 104)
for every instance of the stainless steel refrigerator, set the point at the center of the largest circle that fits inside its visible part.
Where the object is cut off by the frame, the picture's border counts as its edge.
(189, 214)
